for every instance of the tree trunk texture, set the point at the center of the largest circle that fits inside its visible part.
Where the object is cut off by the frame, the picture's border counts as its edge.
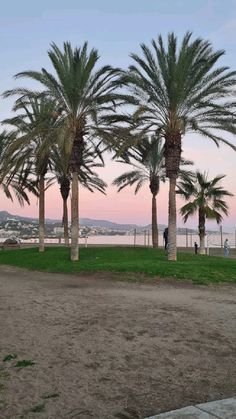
(65, 222)
(65, 190)
(74, 217)
(172, 251)
(202, 232)
(172, 153)
(41, 213)
(76, 160)
(154, 222)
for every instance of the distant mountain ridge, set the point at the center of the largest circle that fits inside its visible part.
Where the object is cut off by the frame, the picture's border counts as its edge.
(90, 222)
(4, 215)
(116, 226)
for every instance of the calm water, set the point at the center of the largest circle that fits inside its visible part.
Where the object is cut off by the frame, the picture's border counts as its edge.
(213, 240)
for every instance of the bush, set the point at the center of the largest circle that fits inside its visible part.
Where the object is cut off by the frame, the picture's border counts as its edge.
(11, 241)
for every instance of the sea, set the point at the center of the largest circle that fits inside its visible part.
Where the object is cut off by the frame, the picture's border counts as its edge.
(211, 240)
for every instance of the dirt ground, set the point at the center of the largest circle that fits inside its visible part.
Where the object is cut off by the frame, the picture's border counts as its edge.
(106, 349)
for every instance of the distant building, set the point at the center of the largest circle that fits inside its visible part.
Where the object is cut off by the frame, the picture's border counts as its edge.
(58, 230)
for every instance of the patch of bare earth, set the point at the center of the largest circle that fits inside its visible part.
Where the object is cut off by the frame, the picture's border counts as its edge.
(105, 349)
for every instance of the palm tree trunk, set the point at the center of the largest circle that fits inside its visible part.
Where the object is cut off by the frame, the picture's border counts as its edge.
(64, 182)
(65, 222)
(41, 213)
(201, 229)
(202, 245)
(172, 153)
(154, 222)
(74, 217)
(172, 251)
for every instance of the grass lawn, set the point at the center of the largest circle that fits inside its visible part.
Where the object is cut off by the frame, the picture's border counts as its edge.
(199, 269)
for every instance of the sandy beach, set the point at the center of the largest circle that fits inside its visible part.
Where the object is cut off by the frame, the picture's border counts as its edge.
(107, 349)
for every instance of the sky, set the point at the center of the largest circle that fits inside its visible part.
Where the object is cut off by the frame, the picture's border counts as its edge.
(116, 28)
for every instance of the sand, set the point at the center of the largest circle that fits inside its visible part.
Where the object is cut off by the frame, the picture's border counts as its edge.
(106, 349)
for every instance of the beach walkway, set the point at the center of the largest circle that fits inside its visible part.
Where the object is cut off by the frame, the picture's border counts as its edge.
(220, 409)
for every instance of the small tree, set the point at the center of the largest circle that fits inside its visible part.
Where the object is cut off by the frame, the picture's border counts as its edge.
(34, 127)
(206, 198)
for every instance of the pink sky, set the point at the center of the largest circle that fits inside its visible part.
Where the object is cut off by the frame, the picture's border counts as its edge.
(28, 30)
(126, 207)
(116, 29)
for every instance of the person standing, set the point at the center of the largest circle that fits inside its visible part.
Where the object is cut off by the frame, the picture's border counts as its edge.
(165, 236)
(226, 248)
(195, 248)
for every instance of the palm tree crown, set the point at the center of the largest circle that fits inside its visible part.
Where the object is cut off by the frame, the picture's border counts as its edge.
(147, 158)
(179, 90)
(81, 93)
(15, 180)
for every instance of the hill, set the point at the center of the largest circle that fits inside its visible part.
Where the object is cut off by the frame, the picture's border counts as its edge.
(89, 222)
(5, 215)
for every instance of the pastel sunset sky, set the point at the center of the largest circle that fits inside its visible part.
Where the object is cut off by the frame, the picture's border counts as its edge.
(116, 28)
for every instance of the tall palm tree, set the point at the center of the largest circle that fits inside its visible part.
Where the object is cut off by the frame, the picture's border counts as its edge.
(83, 95)
(179, 89)
(206, 198)
(34, 125)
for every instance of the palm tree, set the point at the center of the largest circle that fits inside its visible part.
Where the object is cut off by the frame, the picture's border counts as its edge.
(206, 198)
(34, 140)
(177, 90)
(83, 95)
(147, 159)
(87, 177)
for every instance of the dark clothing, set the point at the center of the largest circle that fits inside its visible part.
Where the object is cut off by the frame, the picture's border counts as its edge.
(165, 236)
(195, 248)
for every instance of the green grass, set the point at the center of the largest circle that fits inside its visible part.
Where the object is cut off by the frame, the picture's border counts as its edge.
(153, 262)
(51, 396)
(38, 408)
(9, 357)
(24, 363)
